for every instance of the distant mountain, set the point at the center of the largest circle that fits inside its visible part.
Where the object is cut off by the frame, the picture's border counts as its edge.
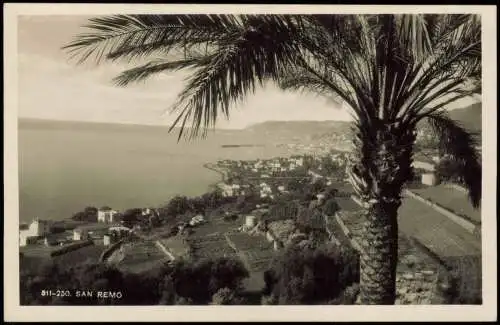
(470, 117)
(299, 127)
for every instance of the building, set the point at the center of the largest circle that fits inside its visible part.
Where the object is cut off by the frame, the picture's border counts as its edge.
(27, 240)
(93, 231)
(106, 240)
(106, 214)
(79, 234)
(250, 221)
(429, 179)
(37, 228)
(199, 219)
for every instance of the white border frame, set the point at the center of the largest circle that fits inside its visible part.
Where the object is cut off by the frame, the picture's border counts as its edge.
(15, 312)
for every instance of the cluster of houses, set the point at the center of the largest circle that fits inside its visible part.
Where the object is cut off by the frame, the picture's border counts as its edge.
(266, 167)
(107, 229)
(229, 190)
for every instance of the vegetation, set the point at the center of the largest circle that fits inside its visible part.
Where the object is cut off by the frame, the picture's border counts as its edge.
(182, 205)
(89, 214)
(226, 296)
(71, 247)
(449, 170)
(311, 276)
(392, 71)
(331, 207)
(180, 283)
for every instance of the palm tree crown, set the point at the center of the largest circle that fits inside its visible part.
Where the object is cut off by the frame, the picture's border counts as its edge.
(392, 71)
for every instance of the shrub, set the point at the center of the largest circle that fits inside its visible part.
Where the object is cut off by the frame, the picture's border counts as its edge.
(268, 300)
(348, 296)
(201, 280)
(331, 207)
(184, 301)
(466, 280)
(311, 276)
(226, 296)
(177, 205)
(71, 247)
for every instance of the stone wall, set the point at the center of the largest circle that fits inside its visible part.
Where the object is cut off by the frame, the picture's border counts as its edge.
(164, 250)
(107, 253)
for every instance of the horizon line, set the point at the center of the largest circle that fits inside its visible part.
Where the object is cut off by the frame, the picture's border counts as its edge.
(37, 119)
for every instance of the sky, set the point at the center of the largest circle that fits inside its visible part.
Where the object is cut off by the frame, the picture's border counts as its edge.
(52, 86)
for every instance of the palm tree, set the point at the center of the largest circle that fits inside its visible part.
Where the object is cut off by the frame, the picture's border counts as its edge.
(391, 71)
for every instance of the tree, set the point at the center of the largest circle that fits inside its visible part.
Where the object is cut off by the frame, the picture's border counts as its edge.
(311, 275)
(449, 170)
(391, 71)
(331, 207)
(89, 214)
(178, 205)
(131, 217)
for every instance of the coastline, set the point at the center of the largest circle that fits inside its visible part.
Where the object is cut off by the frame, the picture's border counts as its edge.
(212, 167)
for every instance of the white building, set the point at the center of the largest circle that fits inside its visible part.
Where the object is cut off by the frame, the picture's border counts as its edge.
(227, 190)
(37, 228)
(79, 234)
(199, 219)
(106, 215)
(250, 221)
(429, 179)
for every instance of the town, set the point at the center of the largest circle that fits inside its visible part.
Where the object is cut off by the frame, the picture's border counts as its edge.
(261, 207)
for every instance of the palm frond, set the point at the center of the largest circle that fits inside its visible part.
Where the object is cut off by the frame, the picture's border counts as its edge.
(157, 66)
(135, 36)
(259, 52)
(459, 145)
(414, 35)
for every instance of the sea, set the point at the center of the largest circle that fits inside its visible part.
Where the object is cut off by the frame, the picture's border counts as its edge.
(67, 166)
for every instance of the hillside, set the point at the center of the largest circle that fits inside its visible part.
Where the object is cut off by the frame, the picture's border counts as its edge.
(469, 116)
(299, 129)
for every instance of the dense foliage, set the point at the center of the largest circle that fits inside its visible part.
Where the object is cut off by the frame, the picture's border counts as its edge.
(89, 214)
(182, 205)
(180, 283)
(311, 276)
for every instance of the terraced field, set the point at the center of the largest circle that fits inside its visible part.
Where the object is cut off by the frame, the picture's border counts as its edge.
(211, 246)
(450, 198)
(87, 254)
(255, 251)
(141, 256)
(217, 225)
(177, 246)
(439, 234)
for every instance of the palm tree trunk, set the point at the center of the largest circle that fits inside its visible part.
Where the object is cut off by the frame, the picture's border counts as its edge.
(379, 257)
(382, 165)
